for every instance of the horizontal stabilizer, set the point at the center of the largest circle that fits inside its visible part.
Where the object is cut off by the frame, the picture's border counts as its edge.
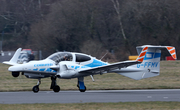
(172, 51)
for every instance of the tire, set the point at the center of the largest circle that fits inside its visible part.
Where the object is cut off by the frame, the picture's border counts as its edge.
(35, 89)
(56, 88)
(82, 90)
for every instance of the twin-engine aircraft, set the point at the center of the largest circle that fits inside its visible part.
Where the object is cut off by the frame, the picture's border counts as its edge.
(67, 65)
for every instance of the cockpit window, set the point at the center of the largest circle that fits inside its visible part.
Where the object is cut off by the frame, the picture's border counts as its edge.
(82, 58)
(61, 56)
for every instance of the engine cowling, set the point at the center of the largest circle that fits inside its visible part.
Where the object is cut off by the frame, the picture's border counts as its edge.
(15, 74)
(65, 72)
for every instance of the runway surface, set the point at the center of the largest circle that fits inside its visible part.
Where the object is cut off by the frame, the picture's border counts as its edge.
(90, 96)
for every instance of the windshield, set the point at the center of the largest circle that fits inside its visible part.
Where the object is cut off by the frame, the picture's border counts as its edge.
(61, 56)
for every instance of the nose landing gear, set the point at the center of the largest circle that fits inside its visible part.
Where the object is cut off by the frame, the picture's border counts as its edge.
(35, 89)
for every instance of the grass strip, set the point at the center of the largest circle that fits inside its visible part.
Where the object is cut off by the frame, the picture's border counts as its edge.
(96, 106)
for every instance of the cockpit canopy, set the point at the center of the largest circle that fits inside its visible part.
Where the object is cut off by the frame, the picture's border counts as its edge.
(67, 56)
(82, 58)
(61, 56)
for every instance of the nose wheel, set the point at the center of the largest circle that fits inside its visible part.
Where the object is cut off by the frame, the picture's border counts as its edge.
(35, 89)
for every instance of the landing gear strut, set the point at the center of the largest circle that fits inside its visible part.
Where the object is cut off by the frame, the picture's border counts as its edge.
(35, 89)
(80, 84)
(54, 86)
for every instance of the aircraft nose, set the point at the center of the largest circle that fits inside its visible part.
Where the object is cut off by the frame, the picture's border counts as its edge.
(15, 68)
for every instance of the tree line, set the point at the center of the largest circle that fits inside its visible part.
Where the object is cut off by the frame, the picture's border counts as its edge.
(94, 27)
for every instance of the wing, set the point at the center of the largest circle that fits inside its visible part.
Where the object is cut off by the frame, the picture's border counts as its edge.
(107, 68)
(119, 65)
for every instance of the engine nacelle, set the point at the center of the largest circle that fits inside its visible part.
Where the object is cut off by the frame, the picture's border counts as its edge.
(15, 74)
(67, 74)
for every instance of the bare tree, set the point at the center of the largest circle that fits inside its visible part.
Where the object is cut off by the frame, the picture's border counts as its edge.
(117, 9)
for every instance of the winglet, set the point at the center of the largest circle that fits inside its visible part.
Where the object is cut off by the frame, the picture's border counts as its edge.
(172, 51)
(142, 54)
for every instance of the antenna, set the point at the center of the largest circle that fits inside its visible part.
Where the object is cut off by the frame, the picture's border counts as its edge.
(92, 78)
(104, 55)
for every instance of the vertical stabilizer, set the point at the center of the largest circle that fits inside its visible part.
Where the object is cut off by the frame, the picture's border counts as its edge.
(142, 54)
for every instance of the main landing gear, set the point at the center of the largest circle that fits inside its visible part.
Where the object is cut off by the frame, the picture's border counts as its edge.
(80, 84)
(53, 86)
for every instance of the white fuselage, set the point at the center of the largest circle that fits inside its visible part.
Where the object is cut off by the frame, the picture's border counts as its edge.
(67, 65)
(44, 68)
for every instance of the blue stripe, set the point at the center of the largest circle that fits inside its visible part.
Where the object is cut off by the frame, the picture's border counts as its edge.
(49, 70)
(35, 69)
(151, 55)
(42, 69)
(157, 55)
(96, 63)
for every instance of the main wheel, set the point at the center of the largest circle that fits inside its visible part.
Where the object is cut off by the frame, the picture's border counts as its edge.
(82, 90)
(56, 88)
(35, 89)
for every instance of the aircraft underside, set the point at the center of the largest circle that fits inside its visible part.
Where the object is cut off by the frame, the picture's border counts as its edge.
(53, 86)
